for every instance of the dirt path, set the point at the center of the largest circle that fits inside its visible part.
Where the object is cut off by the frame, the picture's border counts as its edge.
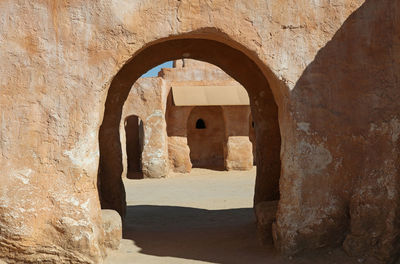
(203, 217)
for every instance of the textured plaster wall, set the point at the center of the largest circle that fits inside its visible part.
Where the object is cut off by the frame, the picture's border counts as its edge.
(333, 68)
(206, 145)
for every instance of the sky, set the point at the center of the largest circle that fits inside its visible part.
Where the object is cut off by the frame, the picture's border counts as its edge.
(154, 72)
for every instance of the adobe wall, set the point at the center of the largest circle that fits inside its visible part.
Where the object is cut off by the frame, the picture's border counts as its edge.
(237, 154)
(333, 70)
(178, 149)
(207, 145)
(238, 148)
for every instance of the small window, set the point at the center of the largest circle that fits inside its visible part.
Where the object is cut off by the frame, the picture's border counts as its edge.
(200, 124)
(252, 124)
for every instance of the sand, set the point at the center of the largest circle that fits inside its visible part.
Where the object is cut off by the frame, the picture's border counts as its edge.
(202, 217)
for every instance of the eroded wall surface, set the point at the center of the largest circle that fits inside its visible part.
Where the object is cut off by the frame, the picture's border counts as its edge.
(333, 69)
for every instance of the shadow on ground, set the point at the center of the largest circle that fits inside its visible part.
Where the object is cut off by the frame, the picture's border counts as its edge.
(215, 236)
(219, 236)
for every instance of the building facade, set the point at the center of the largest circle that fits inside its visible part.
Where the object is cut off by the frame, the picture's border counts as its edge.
(207, 118)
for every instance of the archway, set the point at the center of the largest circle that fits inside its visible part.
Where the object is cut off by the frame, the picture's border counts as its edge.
(206, 137)
(134, 146)
(234, 62)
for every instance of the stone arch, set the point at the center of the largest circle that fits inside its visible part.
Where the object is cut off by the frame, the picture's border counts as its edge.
(206, 143)
(234, 62)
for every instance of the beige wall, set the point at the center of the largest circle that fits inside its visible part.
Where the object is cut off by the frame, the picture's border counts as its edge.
(238, 147)
(178, 149)
(332, 69)
(216, 146)
(206, 145)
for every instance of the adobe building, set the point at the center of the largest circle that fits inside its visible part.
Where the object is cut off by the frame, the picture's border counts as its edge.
(205, 116)
(323, 83)
(209, 112)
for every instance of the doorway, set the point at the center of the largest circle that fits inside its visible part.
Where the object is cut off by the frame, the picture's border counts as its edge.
(134, 146)
(206, 137)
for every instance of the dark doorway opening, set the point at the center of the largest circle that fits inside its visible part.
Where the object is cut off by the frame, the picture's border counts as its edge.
(200, 124)
(134, 146)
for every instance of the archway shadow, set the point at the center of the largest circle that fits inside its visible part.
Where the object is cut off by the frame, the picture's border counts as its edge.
(216, 236)
(214, 168)
(226, 236)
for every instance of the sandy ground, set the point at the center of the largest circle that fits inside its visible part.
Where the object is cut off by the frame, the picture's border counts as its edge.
(202, 217)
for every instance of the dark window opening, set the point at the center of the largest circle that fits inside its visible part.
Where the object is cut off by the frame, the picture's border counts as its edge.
(200, 124)
(252, 124)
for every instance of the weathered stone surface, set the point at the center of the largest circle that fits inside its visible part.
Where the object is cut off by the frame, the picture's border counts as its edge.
(331, 69)
(155, 149)
(179, 154)
(112, 226)
(238, 153)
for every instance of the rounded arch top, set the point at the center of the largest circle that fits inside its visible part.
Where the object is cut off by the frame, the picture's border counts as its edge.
(233, 58)
(236, 63)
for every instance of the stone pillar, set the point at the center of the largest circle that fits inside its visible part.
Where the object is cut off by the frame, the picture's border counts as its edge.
(238, 153)
(155, 149)
(112, 226)
(179, 154)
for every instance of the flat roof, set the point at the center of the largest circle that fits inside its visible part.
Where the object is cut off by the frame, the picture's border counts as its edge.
(207, 95)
